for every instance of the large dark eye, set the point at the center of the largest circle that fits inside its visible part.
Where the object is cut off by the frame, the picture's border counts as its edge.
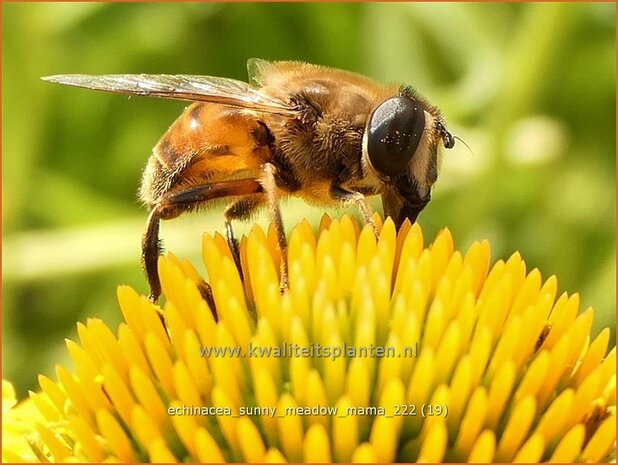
(394, 132)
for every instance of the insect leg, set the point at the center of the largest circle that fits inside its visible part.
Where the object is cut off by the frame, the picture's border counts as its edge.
(232, 243)
(341, 194)
(151, 249)
(239, 210)
(270, 187)
(174, 204)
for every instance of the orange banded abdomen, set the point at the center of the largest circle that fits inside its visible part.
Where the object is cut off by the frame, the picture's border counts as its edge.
(208, 142)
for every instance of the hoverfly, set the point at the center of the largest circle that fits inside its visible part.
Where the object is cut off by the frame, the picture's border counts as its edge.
(325, 135)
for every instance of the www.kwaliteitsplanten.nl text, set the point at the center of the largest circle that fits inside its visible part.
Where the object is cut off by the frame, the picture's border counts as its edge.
(313, 350)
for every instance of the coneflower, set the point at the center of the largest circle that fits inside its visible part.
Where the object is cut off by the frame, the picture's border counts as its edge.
(381, 350)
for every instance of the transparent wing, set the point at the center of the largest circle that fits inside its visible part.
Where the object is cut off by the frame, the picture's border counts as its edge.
(179, 87)
(257, 69)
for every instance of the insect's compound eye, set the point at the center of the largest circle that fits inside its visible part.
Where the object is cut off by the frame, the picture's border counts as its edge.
(394, 131)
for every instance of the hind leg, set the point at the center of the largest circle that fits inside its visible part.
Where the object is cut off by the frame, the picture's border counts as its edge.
(174, 204)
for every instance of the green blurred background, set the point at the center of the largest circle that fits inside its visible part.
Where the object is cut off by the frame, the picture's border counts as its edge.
(529, 87)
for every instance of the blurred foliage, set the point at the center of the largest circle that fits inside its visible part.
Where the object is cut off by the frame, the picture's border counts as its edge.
(529, 87)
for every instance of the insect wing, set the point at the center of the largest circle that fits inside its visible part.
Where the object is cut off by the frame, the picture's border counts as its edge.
(179, 87)
(257, 69)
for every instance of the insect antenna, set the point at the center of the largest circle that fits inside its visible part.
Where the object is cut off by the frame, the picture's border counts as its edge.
(464, 143)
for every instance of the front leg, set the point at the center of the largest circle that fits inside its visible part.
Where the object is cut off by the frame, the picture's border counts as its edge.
(339, 193)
